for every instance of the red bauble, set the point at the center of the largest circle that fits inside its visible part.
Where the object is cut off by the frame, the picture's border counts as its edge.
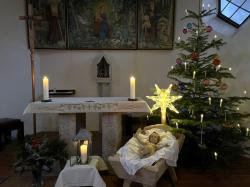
(205, 82)
(178, 61)
(216, 62)
(194, 56)
(185, 31)
(209, 28)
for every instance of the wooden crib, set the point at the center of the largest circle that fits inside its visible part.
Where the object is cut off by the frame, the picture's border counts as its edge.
(149, 175)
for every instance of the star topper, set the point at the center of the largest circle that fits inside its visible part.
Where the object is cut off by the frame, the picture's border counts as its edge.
(164, 100)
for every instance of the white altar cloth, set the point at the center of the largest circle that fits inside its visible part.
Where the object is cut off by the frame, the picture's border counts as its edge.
(79, 175)
(111, 109)
(88, 104)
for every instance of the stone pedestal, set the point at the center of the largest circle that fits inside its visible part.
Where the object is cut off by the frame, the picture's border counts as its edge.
(111, 133)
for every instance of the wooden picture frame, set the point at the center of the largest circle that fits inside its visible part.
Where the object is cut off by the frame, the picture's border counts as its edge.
(50, 29)
(104, 24)
(155, 24)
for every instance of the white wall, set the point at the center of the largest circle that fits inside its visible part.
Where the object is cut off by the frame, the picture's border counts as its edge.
(15, 74)
(76, 69)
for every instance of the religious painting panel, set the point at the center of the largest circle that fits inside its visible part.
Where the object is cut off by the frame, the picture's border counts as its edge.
(102, 24)
(50, 28)
(155, 24)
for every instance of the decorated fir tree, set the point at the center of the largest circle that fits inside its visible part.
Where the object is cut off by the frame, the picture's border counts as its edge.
(211, 120)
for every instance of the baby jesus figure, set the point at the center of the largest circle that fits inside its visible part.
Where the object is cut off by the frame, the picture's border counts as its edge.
(151, 145)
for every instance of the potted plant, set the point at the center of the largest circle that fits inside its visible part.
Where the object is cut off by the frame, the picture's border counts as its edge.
(36, 154)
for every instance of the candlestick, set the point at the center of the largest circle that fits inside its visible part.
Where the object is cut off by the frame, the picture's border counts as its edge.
(247, 132)
(201, 118)
(132, 88)
(84, 151)
(185, 64)
(215, 155)
(225, 116)
(221, 100)
(209, 100)
(205, 74)
(177, 126)
(194, 74)
(201, 132)
(45, 88)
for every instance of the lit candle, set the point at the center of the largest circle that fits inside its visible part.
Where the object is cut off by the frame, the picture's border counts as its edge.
(218, 67)
(230, 69)
(172, 67)
(45, 88)
(215, 155)
(194, 74)
(215, 36)
(245, 92)
(132, 87)
(238, 125)
(197, 32)
(177, 126)
(238, 108)
(185, 63)
(208, 6)
(247, 131)
(221, 100)
(84, 151)
(186, 11)
(203, 6)
(201, 118)
(209, 100)
(179, 38)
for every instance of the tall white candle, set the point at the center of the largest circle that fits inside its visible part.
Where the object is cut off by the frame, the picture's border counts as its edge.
(201, 118)
(209, 100)
(45, 88)
(247, 132)
(185, 63)
(245, 92)
(208, 6)
(132, 87)
(177, 126)
(221, 101)
(194, 74)
(186, 11)
(84, 152)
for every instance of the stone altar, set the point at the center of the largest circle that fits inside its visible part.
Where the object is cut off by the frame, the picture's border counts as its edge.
(111, 109)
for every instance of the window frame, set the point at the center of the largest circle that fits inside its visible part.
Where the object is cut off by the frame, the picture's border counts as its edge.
(227, 19)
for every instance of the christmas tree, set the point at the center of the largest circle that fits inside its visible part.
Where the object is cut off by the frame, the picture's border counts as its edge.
(211, 120)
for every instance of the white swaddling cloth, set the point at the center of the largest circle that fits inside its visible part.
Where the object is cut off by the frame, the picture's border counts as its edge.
(130, 157)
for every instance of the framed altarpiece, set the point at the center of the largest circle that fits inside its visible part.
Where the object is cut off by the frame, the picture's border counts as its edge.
(104, 24)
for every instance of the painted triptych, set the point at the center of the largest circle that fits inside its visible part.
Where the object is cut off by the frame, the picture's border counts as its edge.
(104, 24)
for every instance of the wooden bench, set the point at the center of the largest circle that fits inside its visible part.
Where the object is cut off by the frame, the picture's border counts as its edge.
(147, 176)
(7, 125)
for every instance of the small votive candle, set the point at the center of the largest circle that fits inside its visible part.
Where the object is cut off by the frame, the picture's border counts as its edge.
(209, 101)
(215, 155)
(221, 101)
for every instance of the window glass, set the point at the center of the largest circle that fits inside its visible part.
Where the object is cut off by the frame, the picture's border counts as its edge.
(229, 10)
(240, 16)
(238, 2)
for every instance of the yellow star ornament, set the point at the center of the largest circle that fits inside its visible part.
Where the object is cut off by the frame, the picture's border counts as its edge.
(163, 100)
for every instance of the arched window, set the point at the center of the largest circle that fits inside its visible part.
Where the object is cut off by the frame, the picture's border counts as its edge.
(235, 12)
